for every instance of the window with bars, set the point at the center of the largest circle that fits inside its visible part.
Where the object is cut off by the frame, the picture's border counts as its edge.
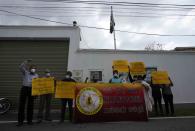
(95, 76)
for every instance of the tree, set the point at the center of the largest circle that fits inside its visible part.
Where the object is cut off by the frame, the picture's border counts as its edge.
(154, 46)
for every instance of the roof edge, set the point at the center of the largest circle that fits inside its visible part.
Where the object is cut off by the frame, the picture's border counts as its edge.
(37, 26)
(112, 51)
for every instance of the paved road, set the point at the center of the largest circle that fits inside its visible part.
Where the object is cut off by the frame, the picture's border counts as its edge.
(154, 124)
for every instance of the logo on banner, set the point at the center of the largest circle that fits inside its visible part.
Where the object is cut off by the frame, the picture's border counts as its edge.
(89, 100)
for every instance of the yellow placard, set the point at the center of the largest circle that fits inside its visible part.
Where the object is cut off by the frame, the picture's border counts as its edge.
(120, 65)
(137, 68)
(160, 77)
(42, 86)
(65, 89)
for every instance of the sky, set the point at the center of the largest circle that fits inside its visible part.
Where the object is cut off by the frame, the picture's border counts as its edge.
(161, 24)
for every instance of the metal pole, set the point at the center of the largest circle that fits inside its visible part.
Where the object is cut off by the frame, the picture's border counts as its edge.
(114, 41)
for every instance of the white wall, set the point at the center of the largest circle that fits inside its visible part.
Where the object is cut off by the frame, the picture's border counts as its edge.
(180, 66)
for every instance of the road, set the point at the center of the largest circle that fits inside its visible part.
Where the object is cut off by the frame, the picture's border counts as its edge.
(154, 124)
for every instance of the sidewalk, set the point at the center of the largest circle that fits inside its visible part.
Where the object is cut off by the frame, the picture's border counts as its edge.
(13, 115)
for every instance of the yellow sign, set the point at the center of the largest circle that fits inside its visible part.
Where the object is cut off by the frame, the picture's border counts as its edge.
(120, 65)
(42, 86)
(137, 68)
(65, 89)
(160, 77)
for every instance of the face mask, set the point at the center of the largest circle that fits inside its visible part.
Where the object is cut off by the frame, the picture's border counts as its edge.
(33, 70)
(48, 74)
(115, 75)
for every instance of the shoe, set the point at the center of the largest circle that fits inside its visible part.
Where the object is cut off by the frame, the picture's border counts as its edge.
(61, 121)
(48, 119)
(173, 115)
(19, 124)
(30, 123)
(161, 114)
(71, 120)
(39, 121)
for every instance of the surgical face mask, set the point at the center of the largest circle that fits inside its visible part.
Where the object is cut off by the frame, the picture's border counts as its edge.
(48, 74)
(115, 75)
(33, 70)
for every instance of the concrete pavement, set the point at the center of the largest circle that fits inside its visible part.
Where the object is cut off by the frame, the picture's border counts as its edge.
(154, 124)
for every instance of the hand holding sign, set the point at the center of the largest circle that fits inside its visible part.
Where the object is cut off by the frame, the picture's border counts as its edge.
(160, 77)
(137, 68)
(120, 65)
(42, 86)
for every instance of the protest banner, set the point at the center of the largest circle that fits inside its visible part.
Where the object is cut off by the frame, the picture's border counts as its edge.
(65, 89)
(160, 77)
(137, 68)
(109, 102)
(42, 86)
(120, 65)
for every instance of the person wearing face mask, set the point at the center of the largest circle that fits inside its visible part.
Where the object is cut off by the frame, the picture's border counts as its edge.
(64, 101)
(25, 92)
(115, 78)
(44, 103)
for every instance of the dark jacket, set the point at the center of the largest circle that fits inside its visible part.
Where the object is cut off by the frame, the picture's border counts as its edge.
(68, 80)
(166, 89)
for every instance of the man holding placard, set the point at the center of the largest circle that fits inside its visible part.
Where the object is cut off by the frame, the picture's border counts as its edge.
(158, 80)
(29, 73)
(136, 70)
(45, 102)
(120, 71)
(64, 101)
(168, 97)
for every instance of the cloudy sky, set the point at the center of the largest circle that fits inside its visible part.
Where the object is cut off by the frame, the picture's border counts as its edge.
(139, 24)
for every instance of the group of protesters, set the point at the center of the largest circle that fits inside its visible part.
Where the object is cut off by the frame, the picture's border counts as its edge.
(153, 92)
(29, 72)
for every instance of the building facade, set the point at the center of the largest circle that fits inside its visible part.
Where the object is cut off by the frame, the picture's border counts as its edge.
(47, 46)
(57, 48)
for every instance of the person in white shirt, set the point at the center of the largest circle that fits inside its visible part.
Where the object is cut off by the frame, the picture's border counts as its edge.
(29, 72)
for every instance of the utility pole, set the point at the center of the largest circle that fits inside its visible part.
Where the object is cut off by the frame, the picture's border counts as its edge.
(112, 30)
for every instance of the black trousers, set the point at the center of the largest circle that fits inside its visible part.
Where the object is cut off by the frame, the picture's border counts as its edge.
(168, 99)
(44, 103)
(63, 108)
(25, 97)
(158, 103)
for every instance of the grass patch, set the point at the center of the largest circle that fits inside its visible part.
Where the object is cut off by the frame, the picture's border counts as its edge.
(179, 112)
(185, 112)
